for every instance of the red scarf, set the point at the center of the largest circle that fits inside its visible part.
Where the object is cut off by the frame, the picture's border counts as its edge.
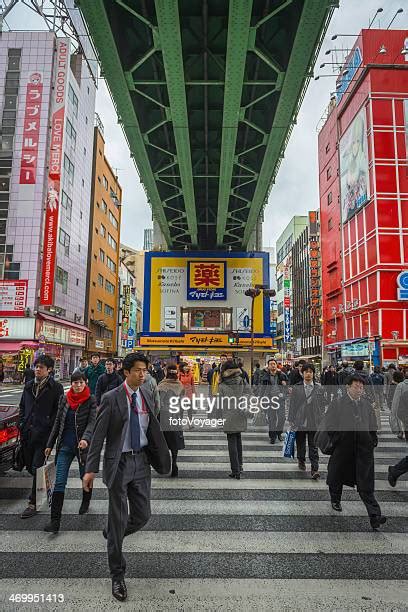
(76, 399)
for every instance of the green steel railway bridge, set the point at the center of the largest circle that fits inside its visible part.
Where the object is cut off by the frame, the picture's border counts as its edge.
(207, 92)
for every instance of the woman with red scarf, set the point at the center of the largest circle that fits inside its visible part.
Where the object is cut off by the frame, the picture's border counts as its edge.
(72, 431)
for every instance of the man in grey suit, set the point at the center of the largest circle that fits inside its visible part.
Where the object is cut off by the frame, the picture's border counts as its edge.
(134, 442)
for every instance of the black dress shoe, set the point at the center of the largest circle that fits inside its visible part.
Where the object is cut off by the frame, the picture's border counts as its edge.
(119, 590)
(391, 478)
(337, 506)
(237, 476)
(377, 521)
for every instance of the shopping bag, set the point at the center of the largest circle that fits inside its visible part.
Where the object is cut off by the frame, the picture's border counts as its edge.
(45, 484)
(288, 449)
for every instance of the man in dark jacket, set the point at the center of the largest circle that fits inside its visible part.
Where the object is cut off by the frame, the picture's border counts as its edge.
(38, 409)
(343, 374)
(295, 375)
(273, 385)
(94, 371)
(305, 413)
(352, 426)
(108, 381)
(256, 375)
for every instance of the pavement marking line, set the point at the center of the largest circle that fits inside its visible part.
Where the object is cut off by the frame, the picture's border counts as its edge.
(232, 507)
(262, 595)
(211, 541)
(22, 482)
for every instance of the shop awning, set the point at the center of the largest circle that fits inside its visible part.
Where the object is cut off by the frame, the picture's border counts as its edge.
(15, 347)
(63, 322)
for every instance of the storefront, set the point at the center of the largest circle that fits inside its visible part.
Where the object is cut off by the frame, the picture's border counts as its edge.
(17, 346)
(64, 341)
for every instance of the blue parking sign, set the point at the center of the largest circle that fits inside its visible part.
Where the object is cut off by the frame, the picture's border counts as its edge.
(130, 344)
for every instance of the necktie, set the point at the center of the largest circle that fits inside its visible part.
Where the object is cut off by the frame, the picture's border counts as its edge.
(134, 424)
(308, 389)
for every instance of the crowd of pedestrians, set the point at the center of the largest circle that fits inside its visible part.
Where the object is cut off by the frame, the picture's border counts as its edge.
(119, 406)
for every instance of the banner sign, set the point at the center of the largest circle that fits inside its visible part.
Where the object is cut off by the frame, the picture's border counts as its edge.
(205, 340)
(348, 73)
(354, 175)
(13, 297)
(54, 173)
(286, 325)
(31, 130)
(314, 264)
(206, 280)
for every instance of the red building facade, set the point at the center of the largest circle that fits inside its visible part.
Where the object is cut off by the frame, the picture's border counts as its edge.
(363, 180)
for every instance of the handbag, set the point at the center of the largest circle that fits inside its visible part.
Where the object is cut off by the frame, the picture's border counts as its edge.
(18, 461)
(45, 477)
(322, 439)
(288, 449)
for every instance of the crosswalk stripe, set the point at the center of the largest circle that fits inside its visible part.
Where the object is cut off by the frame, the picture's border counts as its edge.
(215, 541)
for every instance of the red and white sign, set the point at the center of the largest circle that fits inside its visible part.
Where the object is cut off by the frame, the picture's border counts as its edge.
(31, 131)
(13, 297)
(54, 173)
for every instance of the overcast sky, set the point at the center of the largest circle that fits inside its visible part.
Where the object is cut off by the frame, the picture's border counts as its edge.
(296, 188)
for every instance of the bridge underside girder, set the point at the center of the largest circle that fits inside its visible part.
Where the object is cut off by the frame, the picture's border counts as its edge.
(207, 92)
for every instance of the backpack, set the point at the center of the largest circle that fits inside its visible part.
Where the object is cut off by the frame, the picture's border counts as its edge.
(402, 410)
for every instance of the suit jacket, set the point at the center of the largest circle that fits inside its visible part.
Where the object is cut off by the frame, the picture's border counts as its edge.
(306, 415)
(111, 424)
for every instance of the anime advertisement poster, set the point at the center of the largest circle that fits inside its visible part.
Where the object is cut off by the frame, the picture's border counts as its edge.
(354, 179)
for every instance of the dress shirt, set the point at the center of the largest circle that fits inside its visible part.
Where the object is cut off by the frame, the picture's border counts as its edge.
(143, 420)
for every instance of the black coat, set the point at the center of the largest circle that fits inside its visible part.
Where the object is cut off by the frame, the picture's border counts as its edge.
(37, 414)
(354, 436)
(85, 417)
(306, 414)
(168, 389)
(266, 389)
(106, 382)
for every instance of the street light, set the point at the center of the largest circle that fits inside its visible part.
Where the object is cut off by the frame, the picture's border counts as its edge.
(253, 293)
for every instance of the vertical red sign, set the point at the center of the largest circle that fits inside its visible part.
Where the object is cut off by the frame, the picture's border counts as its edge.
(54, 173)
(31, 130)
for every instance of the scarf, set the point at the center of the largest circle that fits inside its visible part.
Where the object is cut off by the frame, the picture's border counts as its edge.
(76, 399)
(39, 385)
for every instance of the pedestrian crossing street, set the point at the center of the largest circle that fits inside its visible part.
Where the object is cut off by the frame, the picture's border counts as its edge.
(267, 542)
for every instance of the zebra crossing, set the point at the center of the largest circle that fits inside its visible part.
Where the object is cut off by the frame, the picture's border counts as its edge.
(267, 542)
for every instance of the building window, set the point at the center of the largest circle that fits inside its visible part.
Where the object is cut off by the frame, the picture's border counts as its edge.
(329, 198)
(109, 310)
(71, 133)
(99, 305)
(113, 220)
(330, 223)
(62, 279)
(80, 215)
(66, 203)
(65, 240)
(111, 264)
(79, 248)
(103, 230)
(73, 98)
(77, 282)
(102, 255)
(69, 169)
(112, 242)
(100, 280)
(329, 172)
(109, 287)
(99, 179)
(280, 308)
(105, 182)
(280, 283)
(104, 206)
(327, 147)
(84, 156)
